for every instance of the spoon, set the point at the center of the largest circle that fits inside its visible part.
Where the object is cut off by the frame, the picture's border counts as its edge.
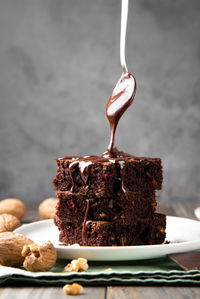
(124, 92)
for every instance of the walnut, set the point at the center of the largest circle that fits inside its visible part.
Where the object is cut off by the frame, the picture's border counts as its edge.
(12, 206)
(72, 289)
(8, 223)
(47, 208)
(78, 265)
(154, 204)
(110, 205)
(11, 245)
(108, 270)
(104, 215)
(161, 229)
(39, 258)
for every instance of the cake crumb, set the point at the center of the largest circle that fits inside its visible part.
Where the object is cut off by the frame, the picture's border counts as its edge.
(167, 242)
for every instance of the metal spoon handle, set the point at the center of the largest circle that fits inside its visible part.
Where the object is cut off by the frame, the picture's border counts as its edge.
(124, 17)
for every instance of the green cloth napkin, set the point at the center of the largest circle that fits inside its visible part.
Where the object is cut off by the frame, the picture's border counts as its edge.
(148, 272)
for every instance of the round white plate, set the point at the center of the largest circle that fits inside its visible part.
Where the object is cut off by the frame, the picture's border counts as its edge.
(183, 234)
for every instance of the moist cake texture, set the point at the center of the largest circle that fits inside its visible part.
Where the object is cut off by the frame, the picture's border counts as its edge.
(123, 209)
(103, 233)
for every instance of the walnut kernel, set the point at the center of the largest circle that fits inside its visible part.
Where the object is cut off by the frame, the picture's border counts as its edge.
(103, 215)
(108, 270)
(72, 289)
(161, 229)
(110, 205)
(39, 258)
(78, 265)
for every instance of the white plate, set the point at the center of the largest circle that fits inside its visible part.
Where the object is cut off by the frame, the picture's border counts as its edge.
(183, 233)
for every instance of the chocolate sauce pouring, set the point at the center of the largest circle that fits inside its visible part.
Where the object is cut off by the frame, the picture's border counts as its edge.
(124, 92)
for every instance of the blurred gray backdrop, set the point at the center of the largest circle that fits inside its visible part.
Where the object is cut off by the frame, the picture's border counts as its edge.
(59, 61)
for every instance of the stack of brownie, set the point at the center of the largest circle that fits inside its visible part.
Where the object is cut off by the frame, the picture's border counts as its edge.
(107, 201)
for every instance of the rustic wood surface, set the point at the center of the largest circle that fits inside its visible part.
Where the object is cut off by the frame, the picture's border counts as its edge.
(111, 292)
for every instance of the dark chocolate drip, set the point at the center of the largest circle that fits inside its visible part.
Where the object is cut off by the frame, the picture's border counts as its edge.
(84, 169)
(85, 224)
(123, 189)
(71, 168)
(83, 163)
(120, 99)
(120, 159)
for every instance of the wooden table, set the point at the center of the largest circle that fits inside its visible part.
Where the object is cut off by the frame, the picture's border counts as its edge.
(110, 292)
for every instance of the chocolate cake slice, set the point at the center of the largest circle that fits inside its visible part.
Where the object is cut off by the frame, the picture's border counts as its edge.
(104, 177)
(109, 201)
(103, 233)
(123, 209)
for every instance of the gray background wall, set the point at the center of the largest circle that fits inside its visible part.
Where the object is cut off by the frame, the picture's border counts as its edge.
(59, 61)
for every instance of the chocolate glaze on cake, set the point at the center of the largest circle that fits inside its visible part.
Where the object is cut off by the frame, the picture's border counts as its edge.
(125, 172)
(85, 222)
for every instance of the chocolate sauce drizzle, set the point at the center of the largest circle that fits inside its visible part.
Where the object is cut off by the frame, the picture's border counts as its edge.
(85, 222)
(120, 99)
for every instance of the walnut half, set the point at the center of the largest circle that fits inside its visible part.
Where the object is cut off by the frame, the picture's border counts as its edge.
(39, 258)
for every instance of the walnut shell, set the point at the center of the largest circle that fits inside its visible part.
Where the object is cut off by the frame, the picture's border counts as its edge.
(12, 206)
(8, 223)
(39, 258)
(47, 208)
(11, 245)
